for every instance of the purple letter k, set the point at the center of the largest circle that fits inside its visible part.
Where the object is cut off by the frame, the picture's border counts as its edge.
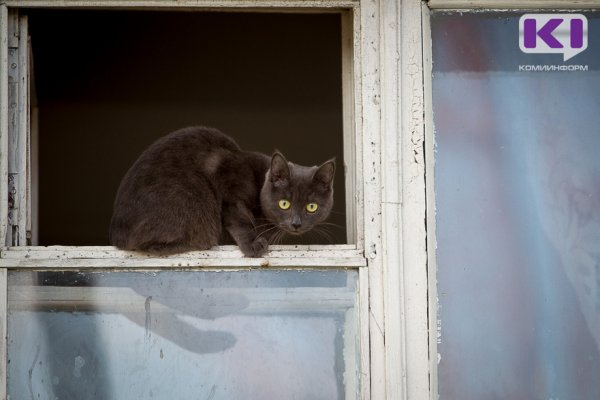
(545, 33)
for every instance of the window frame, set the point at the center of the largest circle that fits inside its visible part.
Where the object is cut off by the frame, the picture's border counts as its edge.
(384, 137)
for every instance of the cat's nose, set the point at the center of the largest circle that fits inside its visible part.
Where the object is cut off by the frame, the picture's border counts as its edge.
(296, 222)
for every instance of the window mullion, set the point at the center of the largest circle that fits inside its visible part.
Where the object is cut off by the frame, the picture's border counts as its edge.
(3, 190)
(18, 116)
(3, 122)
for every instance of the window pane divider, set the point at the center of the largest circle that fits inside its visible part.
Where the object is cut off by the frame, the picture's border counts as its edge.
(107, 257)
(105, 299)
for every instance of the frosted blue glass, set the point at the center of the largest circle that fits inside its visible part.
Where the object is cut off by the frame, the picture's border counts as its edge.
(182, 335)
(517, 186)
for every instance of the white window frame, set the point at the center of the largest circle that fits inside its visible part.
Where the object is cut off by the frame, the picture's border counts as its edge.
(382, 69)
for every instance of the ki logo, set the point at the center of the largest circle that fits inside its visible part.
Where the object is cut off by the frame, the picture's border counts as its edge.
(565, 34)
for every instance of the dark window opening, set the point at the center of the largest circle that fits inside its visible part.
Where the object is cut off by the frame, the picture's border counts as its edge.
(109, 83)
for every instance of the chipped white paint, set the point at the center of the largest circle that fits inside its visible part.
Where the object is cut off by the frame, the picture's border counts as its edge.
(186, 4)
(413, 260)
(393, 141)
(64, 257)
(434, 334)
(3, 123)
(370, 131)
(390, 59)
(349, 122)
(18, 66)
(3, 191)
(57, 252)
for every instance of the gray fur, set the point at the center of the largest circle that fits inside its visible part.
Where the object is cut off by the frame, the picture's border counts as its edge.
(195, 188)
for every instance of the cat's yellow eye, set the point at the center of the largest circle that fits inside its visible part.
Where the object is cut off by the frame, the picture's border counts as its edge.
(284, 204)
(312, 207)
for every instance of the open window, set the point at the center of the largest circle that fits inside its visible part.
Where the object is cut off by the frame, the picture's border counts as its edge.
(72, 123)
(271, 81)
(357, 305)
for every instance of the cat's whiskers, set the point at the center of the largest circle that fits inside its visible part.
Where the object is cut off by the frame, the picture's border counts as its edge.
(268, 223)
(265, 231)
(324, 234)
(277, 237)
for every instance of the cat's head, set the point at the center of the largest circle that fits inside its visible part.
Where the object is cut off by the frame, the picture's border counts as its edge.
(296, 198)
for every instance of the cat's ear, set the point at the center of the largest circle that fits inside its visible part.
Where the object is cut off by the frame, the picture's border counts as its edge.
(280, 171)
(324, 174)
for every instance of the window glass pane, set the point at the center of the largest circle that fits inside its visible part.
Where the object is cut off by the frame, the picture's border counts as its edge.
(183, 335)
(517, 207)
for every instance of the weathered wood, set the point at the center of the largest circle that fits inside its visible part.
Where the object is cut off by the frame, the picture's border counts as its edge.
(3, 193)
(40, 252)
(18, 120)
(22, 131)
(391, 132)
(370, 134)
(182, 263)
(3, 124)
(13, 120)
(13, 28)
(349, 122)
(299, 5)
(430, 194)
(64, 257)
(413, 283)
(30, 163)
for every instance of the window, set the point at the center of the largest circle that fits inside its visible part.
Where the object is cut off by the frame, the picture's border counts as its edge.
(308, 300)
(371, 285)
(263, 78)
(516, 207)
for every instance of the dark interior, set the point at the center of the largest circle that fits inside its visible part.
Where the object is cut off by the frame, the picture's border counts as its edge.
(109, 83)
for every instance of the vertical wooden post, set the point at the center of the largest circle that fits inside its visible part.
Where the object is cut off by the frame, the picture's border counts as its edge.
(3, 124)
(3, 192)
(22, 131)
(18, 117)
(431, 223)
(394, 192)
(349, 121)
(414, 280)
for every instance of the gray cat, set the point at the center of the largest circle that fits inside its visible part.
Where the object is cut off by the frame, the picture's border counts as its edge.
(195, 188)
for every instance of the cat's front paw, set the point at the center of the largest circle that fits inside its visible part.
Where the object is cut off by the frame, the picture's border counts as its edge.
(258, 249)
